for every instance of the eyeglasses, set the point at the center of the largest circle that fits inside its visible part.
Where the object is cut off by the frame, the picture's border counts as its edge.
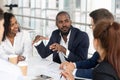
(91, 26)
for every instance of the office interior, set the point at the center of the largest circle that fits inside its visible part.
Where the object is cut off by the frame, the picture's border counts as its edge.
(38, 16)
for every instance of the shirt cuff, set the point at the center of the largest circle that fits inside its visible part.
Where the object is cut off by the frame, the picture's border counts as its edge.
(67, 53)
(74, 65)
(74, 72)
(37, 43)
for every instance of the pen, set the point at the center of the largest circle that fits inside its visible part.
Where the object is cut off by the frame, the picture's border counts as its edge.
(60, 76)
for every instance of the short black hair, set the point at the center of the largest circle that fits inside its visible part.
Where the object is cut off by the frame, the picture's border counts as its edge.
(62, 12)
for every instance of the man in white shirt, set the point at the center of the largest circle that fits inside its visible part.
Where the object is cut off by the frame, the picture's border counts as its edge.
(67, 43)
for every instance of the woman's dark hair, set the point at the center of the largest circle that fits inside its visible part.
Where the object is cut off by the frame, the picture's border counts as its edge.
(7, 23)
(109, 36)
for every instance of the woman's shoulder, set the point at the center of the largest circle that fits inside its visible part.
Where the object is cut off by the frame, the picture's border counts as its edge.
(105, 68)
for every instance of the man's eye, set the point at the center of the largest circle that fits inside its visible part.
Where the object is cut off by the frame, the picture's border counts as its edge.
(60, 22)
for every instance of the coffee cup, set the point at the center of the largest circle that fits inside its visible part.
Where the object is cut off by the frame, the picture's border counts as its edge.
(13, 59)
(23, 66)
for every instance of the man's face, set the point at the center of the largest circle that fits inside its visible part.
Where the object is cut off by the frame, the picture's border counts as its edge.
(63, 23)
(92, 24)
(1, 25)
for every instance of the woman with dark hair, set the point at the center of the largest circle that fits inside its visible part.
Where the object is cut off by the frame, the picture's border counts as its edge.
(106, 42)
(8, 71)
(14, 41)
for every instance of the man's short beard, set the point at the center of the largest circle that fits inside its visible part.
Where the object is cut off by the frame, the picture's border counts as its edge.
(65, 33)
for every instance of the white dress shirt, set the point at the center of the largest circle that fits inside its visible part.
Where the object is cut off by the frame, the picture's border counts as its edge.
(64, 44)
(22, 45)
(9, 71)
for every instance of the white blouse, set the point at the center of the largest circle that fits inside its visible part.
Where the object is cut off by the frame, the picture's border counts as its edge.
(22, 46)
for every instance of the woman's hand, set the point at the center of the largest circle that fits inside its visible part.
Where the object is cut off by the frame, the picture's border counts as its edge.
(21, 58)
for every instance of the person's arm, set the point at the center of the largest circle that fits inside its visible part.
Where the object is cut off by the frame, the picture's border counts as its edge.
(9, 71)
(84, 73)
(44, 51)
(89, 63)
(39, 38)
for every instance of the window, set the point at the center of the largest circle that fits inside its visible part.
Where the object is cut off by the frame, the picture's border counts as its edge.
(78, 4)
(117, 3)
(40, 14)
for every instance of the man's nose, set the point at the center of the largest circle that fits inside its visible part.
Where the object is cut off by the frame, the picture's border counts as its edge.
(64, 24)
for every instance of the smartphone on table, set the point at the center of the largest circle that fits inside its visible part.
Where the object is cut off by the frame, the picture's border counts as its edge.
(45, 77)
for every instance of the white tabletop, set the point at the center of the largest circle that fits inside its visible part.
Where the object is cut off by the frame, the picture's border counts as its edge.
(38, 66)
